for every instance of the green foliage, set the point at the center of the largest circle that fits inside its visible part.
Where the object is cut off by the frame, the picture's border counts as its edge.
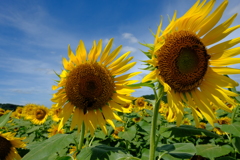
(4, 118)
(212, 151)
(49, 147)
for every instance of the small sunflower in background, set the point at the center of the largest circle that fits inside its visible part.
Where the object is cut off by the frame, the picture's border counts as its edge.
(15, 115)
(190, 62)
(186, 121)
(140, 103)
(54, 130)
(28, 110)
(39, 115)
(55, 113)
(116, 131)
(93, 86)
(136, 119)
(8, 145)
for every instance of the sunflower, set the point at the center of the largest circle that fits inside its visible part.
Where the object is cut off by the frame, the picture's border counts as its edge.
(94, 88)
(190, 65)
(39, 115)
(116, 131)
(136, 119)
(8, 145)
(54, 130)
(55, 113)
(186, 121)
(140, 104)
(28, 110)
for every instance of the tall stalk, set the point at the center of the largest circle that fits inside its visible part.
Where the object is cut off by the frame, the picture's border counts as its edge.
(153, 143)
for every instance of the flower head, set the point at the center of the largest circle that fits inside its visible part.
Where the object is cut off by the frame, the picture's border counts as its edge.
(94, 89)
(191, 66)
(8, 145)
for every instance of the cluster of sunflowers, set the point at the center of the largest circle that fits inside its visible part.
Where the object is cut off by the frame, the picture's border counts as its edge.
(188, 76)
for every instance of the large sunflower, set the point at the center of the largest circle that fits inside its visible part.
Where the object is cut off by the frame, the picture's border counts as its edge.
(94, 89)
(190, 66)
(8, 145)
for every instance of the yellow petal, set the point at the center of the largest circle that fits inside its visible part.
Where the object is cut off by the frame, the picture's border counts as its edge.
(212, 19)
(81, 51)
(106, 51)
(119, 60)
(214, 99)
(66, 113)
(113, 55)
(223, 46)
(203, 106)
(98, 51)
(77, 119)
(151, 76)
(225, 70)
(215, 35)
(126, 76)
(120, 64)
(123, 69)
(224, 62)
(101, 121)
(118, 107)
(226, 54)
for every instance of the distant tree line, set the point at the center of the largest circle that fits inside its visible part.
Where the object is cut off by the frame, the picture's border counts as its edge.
(9, 106)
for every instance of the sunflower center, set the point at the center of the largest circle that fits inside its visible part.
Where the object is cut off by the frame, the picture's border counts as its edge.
(5, 147)
(89, 86)
(40, 114)
(182, 61)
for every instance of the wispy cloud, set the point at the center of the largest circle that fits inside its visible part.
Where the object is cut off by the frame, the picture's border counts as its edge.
(130, 37)
(128, 48)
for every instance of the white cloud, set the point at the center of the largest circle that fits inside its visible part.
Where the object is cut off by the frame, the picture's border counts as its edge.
(128, 48)
(130, 37)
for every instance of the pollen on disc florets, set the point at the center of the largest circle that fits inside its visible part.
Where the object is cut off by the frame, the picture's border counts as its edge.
(89, 86)
(182, 61)
(5, 147)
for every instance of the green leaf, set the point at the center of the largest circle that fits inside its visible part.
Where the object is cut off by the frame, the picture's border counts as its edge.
(212, 151)
(151, 46)
(33, 129)
(145, 154)
(146, 84)
(4, 118)
(186, 130)
(148, 54)
(178, 150)
(236, 143)
(226, 158)
(99, 152)
(129, 133)
(145, 126)
(235, 90)
(233, 128)
(49, 147)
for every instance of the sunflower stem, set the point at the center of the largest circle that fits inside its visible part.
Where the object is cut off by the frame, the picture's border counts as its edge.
(234, 113)
(80, 144)
(153, 143)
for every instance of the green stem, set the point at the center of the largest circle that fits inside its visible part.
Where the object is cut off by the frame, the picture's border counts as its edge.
(234, 112)
(91, 141)
(80, 144)
(154, 124)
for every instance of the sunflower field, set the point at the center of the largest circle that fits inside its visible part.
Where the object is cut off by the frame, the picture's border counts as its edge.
(193, 113)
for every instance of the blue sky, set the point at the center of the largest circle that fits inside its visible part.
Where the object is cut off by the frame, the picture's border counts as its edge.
(34, 36)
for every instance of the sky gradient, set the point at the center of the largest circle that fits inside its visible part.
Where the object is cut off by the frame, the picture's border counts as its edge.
(34, 36)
